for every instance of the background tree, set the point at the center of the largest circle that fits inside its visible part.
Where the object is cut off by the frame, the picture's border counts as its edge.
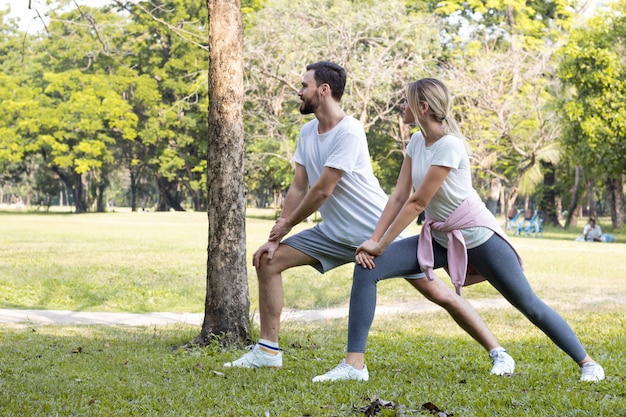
(593, 71)
(497, 59)
(166, 43)
(152, 56)
(227, 304)
(379, 44)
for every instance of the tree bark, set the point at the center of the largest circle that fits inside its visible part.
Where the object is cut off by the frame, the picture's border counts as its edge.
(575, 197)
(614, 187)
(548, 203)
(168, 195)
(227, 304)
(494, 195)
(133, 191)
(74, 182)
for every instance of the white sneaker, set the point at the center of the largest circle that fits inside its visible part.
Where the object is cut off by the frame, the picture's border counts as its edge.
(503, 363)
(343, 372)
(591, 372)
(256, 358)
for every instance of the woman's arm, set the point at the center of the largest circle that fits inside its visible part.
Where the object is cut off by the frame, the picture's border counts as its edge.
(416, 203)
(398, 197)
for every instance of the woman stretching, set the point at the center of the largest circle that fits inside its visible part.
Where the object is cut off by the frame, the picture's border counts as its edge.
(459, 232)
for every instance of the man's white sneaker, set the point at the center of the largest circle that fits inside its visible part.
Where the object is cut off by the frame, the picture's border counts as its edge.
(503, 363)
(343, 372)
(256, 358)
(591, 372)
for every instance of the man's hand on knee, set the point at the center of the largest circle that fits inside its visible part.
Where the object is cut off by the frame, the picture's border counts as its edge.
(269, 248)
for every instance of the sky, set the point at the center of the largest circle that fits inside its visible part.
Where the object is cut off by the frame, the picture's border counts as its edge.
(28, 17)
(31, 23)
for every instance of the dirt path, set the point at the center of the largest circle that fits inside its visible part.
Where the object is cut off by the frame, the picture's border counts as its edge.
(160, 319)
(150, 319)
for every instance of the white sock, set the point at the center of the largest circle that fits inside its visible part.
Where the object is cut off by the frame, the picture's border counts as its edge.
(271, 348)
(496, 350)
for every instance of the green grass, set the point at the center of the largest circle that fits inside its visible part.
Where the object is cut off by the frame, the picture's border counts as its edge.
(139, 262)
(413, 359)
(146, 261)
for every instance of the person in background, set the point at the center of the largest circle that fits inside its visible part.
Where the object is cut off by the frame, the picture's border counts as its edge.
(591, 232)
(334, 175)
(458, 232)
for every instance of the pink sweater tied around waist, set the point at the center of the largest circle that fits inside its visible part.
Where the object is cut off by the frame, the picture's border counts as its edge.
(470, 213)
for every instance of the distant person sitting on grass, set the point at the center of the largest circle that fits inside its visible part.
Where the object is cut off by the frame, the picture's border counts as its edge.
(334, 174)
(593, 233)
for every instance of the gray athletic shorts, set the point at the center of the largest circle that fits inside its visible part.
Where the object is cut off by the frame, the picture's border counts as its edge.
(329, 254)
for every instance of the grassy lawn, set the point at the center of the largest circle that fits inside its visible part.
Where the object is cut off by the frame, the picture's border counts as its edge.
(144, 262)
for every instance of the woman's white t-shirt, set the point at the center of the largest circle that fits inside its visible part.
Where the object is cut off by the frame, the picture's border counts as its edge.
(449, 151)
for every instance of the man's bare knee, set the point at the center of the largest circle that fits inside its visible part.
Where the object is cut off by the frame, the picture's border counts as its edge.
(267, 268)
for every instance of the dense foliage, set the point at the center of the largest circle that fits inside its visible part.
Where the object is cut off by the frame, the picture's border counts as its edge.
(109, 104)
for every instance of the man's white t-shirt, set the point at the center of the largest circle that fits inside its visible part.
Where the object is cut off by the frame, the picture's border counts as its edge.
(449, 151)
(352, 211)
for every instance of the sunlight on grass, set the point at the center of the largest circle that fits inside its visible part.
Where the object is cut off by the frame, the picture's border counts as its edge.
(145, 261)
(139, 262)
(413, 359)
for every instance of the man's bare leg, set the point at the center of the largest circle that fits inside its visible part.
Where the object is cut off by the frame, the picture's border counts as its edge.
(459, 308)
(269, 274)
(461, 311)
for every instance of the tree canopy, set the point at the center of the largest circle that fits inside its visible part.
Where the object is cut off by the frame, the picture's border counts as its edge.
(109, 104)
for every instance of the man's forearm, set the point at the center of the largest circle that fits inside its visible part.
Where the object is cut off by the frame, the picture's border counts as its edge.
(309, 205)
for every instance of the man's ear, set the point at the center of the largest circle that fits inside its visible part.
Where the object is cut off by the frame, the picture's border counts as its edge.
(326, 89)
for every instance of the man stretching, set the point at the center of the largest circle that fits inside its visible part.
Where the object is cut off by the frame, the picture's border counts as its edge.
(334, 175)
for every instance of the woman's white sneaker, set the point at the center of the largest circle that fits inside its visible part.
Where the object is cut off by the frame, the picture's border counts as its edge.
(591, 372)
(344, 372)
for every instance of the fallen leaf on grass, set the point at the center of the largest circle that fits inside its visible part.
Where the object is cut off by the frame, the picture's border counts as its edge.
(435, 410)
(375, 406)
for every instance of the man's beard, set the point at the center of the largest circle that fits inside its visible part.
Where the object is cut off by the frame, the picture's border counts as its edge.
(308, 107)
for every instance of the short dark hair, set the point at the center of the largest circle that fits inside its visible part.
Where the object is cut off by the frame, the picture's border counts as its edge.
(332, 74)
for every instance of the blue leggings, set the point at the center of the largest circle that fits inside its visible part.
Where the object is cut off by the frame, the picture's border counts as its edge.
(494, 259)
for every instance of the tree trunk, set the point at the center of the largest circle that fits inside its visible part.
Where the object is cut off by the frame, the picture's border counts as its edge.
(614, 187)
(589, 209)
(168, 195)
(74, 182)
(227, 305)
(494, 195)
(78, 194)
(101, 205)
(575, 197)
(511, 197)
(133, 191)
(548, 201)
(101, 186)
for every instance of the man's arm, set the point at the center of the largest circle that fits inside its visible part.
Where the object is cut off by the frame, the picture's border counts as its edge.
(313, 200)
(297, 191)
